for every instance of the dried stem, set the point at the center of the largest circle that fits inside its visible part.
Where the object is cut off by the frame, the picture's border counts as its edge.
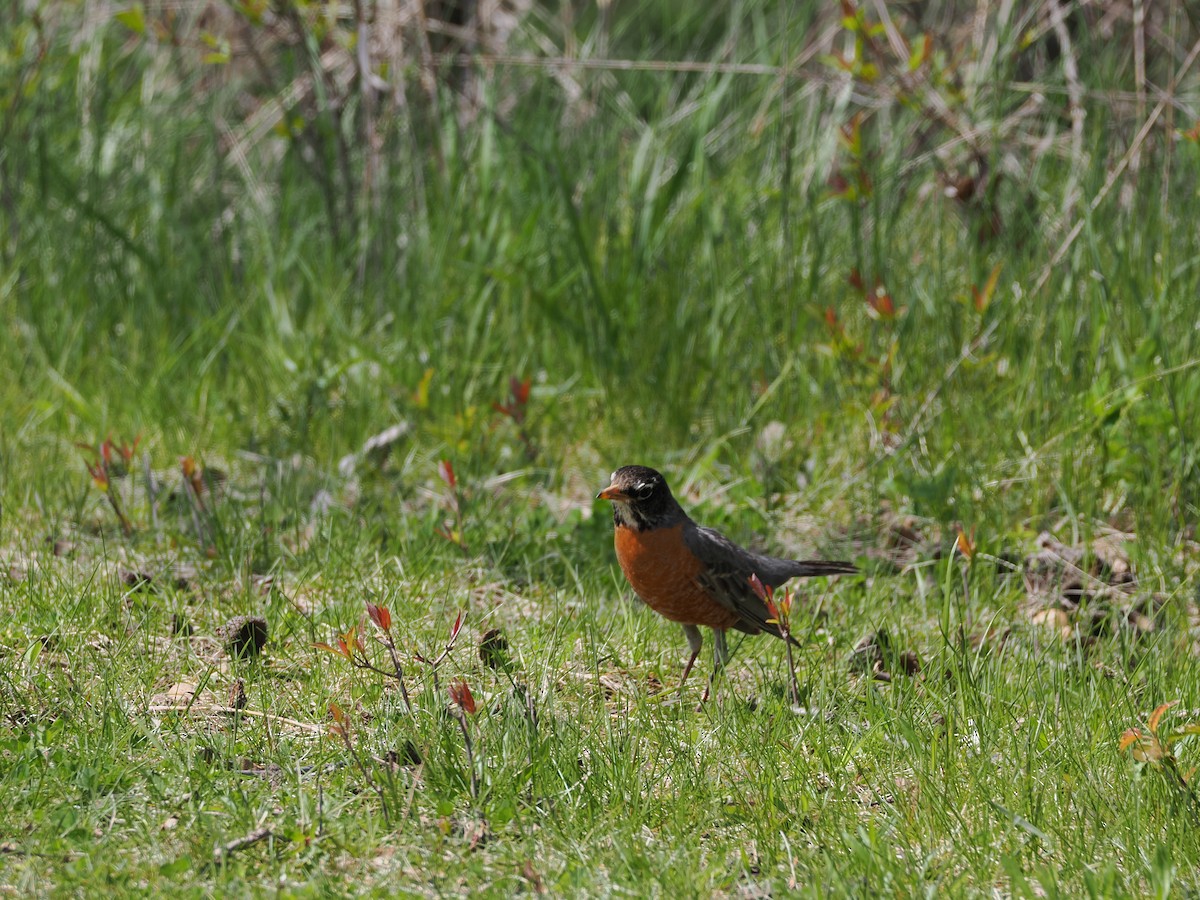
(111, 492)
(466, 733)
(391, 646)
(785, 631)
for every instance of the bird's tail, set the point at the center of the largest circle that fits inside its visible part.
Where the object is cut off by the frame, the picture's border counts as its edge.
(807, 568)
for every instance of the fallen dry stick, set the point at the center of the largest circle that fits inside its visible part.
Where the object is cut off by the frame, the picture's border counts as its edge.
(246, 840)
(231, 710)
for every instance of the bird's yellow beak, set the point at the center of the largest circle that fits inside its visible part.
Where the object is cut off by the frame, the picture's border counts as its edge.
(612, 492)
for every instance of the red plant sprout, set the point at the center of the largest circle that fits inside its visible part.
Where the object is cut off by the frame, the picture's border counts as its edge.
(964, 543)
(98, 473)
(380, 616)
(127, 450)
(840, 344)
(348, 645)
(202, 511)
(339, 727)
(446, 474)
(464, 705)
(762, 592)
(103, 473)
(881, 302)
(982, 298)
(518, 399)
(460, 693)
(1155, 746)
(193, 476)
(352, 647)
(780, 611)
(517, 409)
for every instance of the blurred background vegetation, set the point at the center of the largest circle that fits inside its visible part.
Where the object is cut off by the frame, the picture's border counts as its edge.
(948, 247)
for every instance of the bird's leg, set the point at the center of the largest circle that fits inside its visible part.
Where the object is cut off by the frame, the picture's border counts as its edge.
(720, 655)
(695, 643)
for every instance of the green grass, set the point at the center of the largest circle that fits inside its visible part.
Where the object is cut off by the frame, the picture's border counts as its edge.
(667, 257)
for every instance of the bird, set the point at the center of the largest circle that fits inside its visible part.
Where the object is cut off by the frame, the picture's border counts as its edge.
(691, 574)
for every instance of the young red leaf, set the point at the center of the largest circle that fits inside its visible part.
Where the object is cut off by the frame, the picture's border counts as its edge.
(1128, 739)
(838, 184)
(350, 641)
(1144, 747)
(192, 472)
(881, 301)
(336, 651)
(460, 693)
(340, 726)
(106, 450)
(772, 610)
(761, 591)
(831, 321)
(451, 535)
(984, 297)
(520, 390)
(127, 450)
(99, 475)
(380, 616)
(457, 625)
(1156, 716)
(964, 544)
(446, 473)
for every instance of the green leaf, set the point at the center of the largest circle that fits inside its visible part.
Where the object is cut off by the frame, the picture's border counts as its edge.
(133, 18)
(175, 867)
(1022, 823)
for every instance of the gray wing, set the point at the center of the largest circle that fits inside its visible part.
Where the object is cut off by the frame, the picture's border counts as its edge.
(729, 567)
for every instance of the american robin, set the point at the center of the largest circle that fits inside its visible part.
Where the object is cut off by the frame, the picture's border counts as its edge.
(690, 574)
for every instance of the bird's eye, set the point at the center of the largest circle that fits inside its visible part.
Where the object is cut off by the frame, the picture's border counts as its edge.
(643, 490)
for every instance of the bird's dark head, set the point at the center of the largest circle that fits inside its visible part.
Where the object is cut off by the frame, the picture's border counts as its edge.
(640, 498)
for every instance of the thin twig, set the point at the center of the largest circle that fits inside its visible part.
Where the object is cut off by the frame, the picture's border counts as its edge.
(462, 724)
(151, 491)
(1074, 105)
(1139, 65)
(391, 646)
(247, 840)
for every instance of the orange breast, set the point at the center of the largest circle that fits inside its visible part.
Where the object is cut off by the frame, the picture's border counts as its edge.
(664, 573)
